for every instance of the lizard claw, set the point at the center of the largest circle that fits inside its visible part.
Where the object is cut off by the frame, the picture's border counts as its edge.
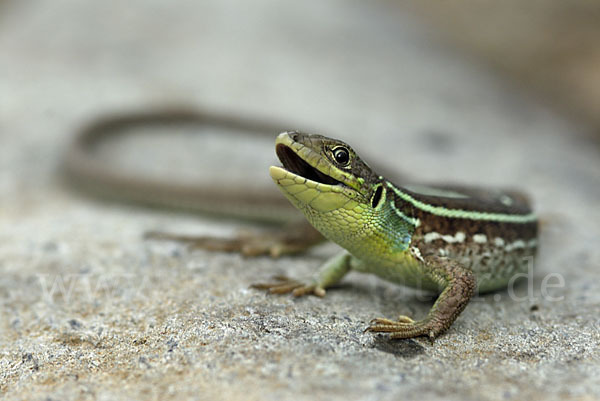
(404, 327)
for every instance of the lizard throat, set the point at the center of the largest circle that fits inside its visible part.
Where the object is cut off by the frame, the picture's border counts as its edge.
(296, 165)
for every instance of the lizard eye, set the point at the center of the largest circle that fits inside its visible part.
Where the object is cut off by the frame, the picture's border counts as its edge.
(341, 155)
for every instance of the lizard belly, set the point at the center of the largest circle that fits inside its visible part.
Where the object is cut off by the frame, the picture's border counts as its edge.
(494, 266)
(401, 268)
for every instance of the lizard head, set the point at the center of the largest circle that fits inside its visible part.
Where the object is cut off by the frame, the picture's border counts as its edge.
(338, 192)
(321, 173)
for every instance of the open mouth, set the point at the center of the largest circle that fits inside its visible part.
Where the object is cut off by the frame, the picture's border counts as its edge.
(294, 164)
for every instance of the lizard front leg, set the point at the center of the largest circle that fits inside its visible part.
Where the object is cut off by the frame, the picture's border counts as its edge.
(332, 271)
(458, 286)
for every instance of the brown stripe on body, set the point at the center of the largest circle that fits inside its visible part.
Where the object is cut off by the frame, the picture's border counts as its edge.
(475, 199)
(509, 232)
(478, 200)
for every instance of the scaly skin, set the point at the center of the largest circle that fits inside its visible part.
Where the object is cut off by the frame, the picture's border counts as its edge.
(447, 240)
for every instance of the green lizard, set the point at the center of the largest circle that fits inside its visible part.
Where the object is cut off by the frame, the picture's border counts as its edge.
(441, 239)
(449, 240)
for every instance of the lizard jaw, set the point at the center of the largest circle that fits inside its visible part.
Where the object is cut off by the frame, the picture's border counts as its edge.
(303, 179)
(295, 164)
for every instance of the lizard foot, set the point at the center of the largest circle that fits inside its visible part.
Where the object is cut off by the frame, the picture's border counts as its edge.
(405, 327)
(284, 285)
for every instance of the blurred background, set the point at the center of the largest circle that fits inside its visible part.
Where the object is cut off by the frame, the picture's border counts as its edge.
(428, 72)
(550, 47)
(343, 69)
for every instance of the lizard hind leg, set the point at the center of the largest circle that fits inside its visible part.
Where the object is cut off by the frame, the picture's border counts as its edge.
(291, 239)
(458, 285)
(284, 285)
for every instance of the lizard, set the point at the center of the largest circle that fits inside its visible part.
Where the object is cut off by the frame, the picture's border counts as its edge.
(454, 241)
(450, 240)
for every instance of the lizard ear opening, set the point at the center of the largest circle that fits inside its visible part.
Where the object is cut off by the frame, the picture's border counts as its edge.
(377, 197)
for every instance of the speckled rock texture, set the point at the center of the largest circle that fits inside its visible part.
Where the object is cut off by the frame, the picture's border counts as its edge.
(92, 311)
